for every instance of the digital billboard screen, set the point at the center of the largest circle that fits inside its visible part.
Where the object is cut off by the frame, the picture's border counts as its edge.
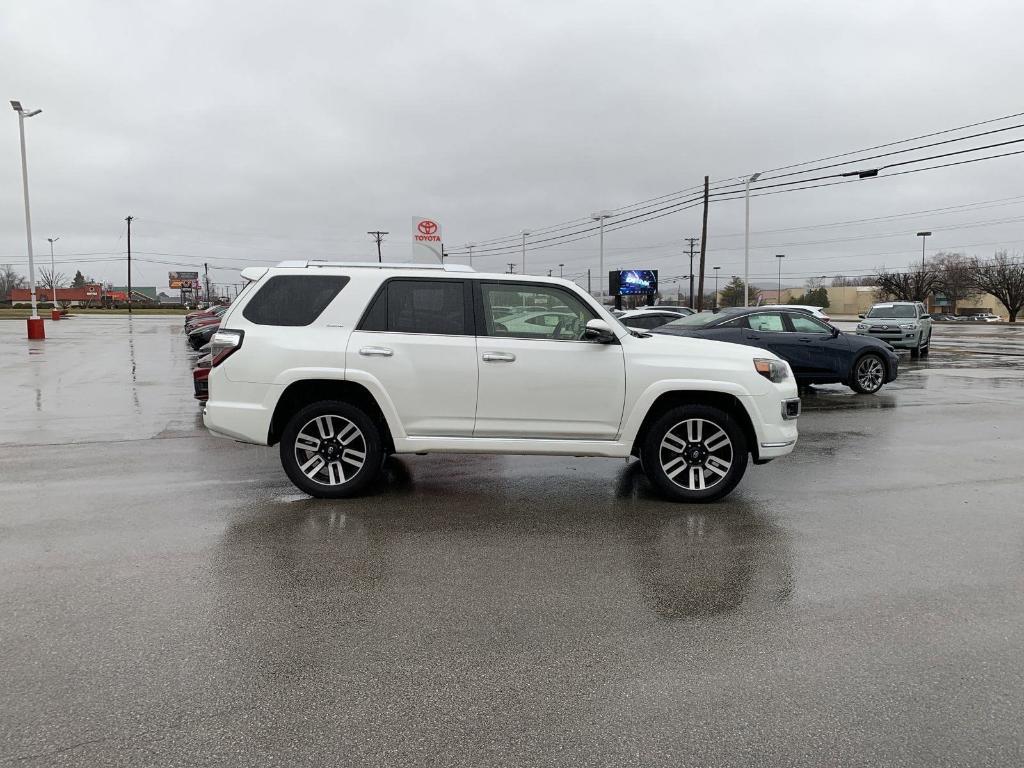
(633, 282)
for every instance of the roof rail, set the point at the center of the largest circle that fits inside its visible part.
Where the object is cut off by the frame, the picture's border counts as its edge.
(303, 263)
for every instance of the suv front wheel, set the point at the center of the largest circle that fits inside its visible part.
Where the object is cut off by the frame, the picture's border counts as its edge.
(695, 453)
(331, 449)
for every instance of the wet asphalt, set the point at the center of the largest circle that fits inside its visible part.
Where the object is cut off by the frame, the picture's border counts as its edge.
(168, 598)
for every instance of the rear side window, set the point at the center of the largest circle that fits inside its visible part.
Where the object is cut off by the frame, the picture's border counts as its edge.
(419, 306)
(293, 299)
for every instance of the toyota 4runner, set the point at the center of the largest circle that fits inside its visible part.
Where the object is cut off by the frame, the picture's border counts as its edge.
(342, 364)
(901, 324)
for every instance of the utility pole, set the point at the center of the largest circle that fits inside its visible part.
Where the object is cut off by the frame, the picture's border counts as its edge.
(715, 304)
(703, 247)
(560, 272)
(693, 244)
(511, 267)
(129, 220)
(549, 272)
(206, 277)
(378, 236)
(470, 246)
(525, 233)
(588, 282)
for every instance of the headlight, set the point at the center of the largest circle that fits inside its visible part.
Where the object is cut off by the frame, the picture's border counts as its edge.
(862, 326)
(773, 370)
(908, 326)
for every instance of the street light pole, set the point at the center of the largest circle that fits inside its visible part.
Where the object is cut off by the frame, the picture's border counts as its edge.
(746, 240)
(54, 312)
(35, 323)
(780, 257)
(600, 216)
(560, 273)
(923, 236)
(470, 246)
(525, 233)
(716, 287)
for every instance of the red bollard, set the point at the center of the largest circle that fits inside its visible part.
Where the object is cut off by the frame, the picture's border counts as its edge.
(55, 314)
(35, 328)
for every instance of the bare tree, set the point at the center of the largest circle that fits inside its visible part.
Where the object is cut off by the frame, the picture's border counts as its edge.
(50, 280)
(841, 281)
(913, 285)
(955, 276)
(9, 279)
(1003, 277)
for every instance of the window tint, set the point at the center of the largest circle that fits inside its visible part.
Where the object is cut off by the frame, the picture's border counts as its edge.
(419, 306)
(806, 325)
(766, 321)
(533, 312)
(293, 299)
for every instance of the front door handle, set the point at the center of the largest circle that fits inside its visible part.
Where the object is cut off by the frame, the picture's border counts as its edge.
(498, 357)
(753, 337)
(805, 339)
(376, 352)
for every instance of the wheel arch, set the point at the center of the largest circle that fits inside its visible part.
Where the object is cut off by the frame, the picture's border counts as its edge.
(301, 393)
(721, 400)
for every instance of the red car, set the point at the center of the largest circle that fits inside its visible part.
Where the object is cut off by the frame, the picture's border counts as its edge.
(200, 379)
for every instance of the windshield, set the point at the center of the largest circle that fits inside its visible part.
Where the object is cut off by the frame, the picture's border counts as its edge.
(893, 310)
(698, 320)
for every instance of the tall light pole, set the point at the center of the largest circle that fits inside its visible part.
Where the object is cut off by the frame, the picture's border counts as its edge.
(54, 312)
(600, 216)
(525, 233)
(746, 240)
(560, 273)
(923, 236)
(780, 257)
(35, 323)
(716, 286)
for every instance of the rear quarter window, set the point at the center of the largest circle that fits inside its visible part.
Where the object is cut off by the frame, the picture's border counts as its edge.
(293, 299)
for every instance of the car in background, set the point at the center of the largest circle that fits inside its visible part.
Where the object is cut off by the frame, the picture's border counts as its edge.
(817, 352)
(984, 317)
(215, 311)
(650, 318)
(201, 336)
(944, 318)
(818, 312)
(662, 307)
(902, 324)
(201, 378)
(199, 322)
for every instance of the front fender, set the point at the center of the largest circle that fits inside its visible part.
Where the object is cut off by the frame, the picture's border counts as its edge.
(639, 409)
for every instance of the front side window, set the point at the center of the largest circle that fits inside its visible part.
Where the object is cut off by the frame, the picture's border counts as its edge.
(533, 312)
(806, 325)
(293, 299)
(419, 306)
(766, 321)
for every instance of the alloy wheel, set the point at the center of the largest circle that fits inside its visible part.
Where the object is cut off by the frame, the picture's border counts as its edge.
(870, 374)
(696, 454)
(330, 450)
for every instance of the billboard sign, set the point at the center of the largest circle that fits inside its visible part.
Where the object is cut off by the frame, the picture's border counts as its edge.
(183, 279)
(633, 282)
(426, 241)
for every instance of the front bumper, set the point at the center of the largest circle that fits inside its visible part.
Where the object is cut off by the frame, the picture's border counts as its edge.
(894, 337)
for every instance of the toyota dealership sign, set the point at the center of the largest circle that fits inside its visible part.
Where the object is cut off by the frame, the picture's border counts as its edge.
(426, 240)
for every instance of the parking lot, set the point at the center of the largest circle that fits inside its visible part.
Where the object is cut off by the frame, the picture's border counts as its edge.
(168, 597)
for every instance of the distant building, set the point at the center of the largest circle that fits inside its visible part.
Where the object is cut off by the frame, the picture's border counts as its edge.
(91, 293)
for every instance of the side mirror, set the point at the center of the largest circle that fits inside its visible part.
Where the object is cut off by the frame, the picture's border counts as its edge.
(835, 332)
(599, 332)
(861, 316)
(926, 316)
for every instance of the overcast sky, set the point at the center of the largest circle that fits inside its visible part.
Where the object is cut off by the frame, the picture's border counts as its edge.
(247, 132)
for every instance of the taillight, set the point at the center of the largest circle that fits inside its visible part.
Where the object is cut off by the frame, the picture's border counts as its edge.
(224, 344)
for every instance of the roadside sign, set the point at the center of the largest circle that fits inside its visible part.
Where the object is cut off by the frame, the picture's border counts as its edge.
(426, 240)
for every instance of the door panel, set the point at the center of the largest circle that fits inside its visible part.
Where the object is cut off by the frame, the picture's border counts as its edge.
(417, 340)
(543, 382)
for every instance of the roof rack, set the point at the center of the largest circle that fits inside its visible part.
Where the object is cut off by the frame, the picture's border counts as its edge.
(303, 263)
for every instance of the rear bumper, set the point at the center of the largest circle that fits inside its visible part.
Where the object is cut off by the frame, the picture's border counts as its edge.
(246, 418)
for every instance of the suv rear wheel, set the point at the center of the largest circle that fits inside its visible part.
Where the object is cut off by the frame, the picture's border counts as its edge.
(694, 453)
(331, 449)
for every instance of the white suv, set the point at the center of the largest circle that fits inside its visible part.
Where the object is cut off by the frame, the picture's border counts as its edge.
(343, 364)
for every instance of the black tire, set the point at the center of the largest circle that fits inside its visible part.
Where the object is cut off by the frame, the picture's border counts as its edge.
(679, 462)
(868, 374)
(916, 351)
(927, 345)
(325, 429)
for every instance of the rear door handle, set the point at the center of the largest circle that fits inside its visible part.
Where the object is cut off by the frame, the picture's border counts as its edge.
(753, 337)
(376, 352)
(498, 357)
